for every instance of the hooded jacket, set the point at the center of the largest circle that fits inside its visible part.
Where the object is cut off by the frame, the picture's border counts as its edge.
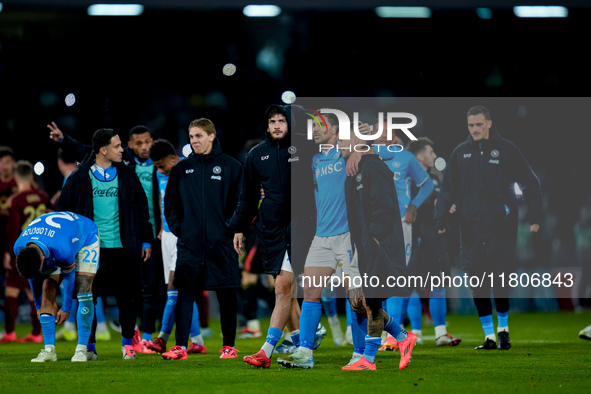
(200, 198)
(480, 179)
(134, 222)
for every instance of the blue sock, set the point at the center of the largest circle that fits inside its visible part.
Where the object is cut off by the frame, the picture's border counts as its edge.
(73, 316)
(348, 312)
(168, 315)
(415, 312)
(273, 336)
(358, 331)
(195, 327)
(100, 310)
(395, 307)
(84, 316)
(91, 347)
(48, 328)
(487, 324)
(309, 319)
(438, 306)
(371, 348)
(126, 341)
(330, 306)
(393, 328)
(503, 319)
(147, 336)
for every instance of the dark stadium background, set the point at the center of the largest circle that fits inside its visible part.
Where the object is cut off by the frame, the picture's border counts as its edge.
(164, 68)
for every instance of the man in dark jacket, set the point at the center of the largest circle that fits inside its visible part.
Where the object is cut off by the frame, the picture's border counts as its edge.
(136, 156)
(201, 195)
(376, 232)
(480, 180)
(270, 165)
(108, 192)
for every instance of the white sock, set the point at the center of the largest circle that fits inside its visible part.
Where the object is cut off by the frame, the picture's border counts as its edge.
(253, 325)
(501, 329)
(287, 337)
(80, 347)
(69, 326)
(333, 320)
(101, 327)
(491, 337)
(268, 349)
(197, 340)
(50, 348)
(294, 332)
(440, 331)
(418, 333)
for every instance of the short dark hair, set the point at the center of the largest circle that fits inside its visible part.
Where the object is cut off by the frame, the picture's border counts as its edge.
(102, 138)
(139, 129)
(66, 156)
(416, 147)
(23, 169)
(276, 109)
(28, 262)
(331, 118)
(161, 149)
(479, 109)
(6, 151)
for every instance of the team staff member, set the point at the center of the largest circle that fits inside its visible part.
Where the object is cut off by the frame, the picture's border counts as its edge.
(201, 195)
(480, 179)
(109, 193)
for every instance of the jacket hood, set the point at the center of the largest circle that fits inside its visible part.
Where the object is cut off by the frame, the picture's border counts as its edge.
(493, 136)
(216, 150)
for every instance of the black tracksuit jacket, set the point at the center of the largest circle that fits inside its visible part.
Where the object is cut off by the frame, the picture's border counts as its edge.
(480, 179)
(201, 195)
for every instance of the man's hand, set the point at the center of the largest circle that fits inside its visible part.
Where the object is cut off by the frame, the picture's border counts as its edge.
(410, 215)
(238, 237)
(353, 163)
(146, 253)
(55, 133)
(452, 209)
(364, 128)
(7, 257)
(61, 317)
(534, 228)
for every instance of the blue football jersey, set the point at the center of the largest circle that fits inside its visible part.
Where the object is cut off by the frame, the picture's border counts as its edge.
(406, 168)
(162, 183)
(60, 235)
(329, 177)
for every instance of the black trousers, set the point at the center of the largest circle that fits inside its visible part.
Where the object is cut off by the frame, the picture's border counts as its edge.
(227, 298)
(118, 277)
(153, 289)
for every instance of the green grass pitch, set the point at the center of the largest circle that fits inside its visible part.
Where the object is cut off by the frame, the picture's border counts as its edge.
(547, 356)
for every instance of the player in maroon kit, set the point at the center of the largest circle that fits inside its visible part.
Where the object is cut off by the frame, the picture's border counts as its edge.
(24, 206)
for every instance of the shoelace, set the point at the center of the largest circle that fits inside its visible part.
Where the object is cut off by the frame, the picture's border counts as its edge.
(229, 350)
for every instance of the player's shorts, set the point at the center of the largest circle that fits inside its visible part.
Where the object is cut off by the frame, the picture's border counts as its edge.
(407, 233)
(169, 241)
(286, 265)
(14, 279)
(87, 260)
(330, 251)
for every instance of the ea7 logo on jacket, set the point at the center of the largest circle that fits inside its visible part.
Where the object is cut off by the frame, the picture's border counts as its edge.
(467, 155)
(189, 171)
(265, 157)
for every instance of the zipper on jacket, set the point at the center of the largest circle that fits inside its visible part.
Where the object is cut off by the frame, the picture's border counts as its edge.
(481, 187)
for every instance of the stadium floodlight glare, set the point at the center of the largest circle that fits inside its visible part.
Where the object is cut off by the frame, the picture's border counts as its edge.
(115, 9)
(540, 11)
(39, 168)
(268, 11)
(484, 13)
(403, 12)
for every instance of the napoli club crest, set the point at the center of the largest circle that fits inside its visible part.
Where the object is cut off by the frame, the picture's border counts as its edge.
(358, 178)
(494, 153)
(217, 170)
(292, 149)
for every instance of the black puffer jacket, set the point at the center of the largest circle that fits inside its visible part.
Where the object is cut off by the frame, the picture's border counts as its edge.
(480, 179)
(201, 195)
